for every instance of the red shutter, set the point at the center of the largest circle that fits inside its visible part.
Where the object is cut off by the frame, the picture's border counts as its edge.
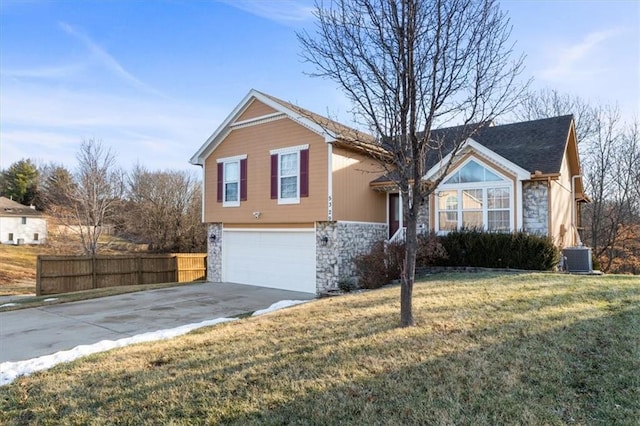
(220, 183)
(243, 180)
(274, 176)
(304, 173)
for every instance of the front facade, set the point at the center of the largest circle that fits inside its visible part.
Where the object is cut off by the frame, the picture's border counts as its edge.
(21, 224)
(287, 205)
(290, 202)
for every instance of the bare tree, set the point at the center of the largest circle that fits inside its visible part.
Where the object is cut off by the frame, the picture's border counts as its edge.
(548, 103)
(408, 66)
(95, 195)
(610, 159)
(160, 210)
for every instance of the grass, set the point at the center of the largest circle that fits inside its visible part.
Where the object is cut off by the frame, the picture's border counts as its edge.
(488, 349)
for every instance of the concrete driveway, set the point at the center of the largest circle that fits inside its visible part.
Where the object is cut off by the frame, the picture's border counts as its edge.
(30, 333)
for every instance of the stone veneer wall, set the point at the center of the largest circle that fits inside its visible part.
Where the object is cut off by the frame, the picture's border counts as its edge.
(423, 217)
(334, 261)
(214, 253)
(535, 205)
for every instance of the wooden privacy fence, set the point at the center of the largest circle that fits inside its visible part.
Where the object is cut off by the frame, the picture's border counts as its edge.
(64, 274)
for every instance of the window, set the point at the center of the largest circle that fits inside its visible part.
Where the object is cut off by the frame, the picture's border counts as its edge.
(290, 174)
(10, 236)
(232, 180)
(474, 197)
(24, 220)
(35, 237)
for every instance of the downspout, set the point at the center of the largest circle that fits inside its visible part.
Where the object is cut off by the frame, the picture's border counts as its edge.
(574, 213)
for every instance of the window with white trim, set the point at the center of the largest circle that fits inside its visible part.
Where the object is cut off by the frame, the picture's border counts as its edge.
(290, 174)
(231, 183)
(474, 197)
(289, 177)
(232, 177)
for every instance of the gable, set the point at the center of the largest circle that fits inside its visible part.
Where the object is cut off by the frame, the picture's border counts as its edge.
(484, 157)
(254, 110)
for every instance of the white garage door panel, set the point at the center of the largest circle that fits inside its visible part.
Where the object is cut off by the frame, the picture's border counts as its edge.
(285, 260)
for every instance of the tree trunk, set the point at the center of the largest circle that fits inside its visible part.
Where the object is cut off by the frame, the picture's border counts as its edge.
(408, 273)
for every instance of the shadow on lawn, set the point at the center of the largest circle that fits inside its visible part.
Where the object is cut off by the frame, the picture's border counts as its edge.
(586, 374)
(539, 358)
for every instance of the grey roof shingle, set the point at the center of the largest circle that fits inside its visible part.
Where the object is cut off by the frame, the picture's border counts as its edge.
(11, 208)
(533, 145)
(536, 145)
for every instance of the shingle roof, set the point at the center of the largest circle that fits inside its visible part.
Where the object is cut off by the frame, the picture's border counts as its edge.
(533, 145)
(536, 145)
(11, 208)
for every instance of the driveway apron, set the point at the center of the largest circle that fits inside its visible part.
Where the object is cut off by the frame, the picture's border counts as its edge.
(33, 332)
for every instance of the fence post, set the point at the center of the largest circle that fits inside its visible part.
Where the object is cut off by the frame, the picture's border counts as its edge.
(38, 276)
(176, 268)
(94, 273)
(139, 263)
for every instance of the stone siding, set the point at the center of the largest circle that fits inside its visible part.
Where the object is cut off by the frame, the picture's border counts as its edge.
(214, 252)
(535, 206)
(344, 241)
(423, 217)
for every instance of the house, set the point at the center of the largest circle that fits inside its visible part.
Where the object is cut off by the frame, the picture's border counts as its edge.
(290, 199)
(21, 224)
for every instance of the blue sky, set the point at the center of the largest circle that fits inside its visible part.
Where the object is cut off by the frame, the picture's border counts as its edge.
(153, 79)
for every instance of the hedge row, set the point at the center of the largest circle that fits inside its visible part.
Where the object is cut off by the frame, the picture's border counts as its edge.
(517, 250)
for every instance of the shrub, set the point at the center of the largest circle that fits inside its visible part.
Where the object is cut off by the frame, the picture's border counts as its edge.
(395, 260)
(347, 284)
(430, 251)
(517, 250)
(385, 262)
(372, 267)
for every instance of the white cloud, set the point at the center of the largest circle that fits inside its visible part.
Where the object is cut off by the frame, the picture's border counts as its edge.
(51, 72)
(579, 58)
(107, 60)
(47, 123)
(282, 11)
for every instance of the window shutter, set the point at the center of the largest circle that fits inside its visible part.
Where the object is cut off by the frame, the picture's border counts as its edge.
(304, 173)
(220, 183)
(274, 176)
(243, 180)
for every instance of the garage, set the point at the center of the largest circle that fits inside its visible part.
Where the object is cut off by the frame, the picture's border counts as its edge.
(284, 259)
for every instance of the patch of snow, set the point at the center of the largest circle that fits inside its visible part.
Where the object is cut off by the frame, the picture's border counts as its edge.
(9, 370)
(279, 305)
(6, 305)
(50, 299)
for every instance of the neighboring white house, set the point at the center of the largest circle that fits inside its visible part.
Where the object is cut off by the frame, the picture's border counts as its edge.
(21, 224)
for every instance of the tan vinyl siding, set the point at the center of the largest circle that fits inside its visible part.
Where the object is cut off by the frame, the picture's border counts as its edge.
(353, 199)
(255, 142)
(561, 228)
(269, 226)
(256, 109)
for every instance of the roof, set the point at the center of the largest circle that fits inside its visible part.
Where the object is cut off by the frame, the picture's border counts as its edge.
(11, 208)
(535, 146)
(331, 130)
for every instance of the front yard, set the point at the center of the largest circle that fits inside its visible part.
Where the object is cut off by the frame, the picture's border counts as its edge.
(488, 349)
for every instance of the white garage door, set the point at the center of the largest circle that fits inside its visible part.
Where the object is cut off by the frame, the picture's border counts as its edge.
(277, 259)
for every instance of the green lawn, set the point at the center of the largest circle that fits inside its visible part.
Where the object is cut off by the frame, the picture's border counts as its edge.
(489, 349)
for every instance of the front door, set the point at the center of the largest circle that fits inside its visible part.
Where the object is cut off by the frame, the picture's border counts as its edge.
(394, 214)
